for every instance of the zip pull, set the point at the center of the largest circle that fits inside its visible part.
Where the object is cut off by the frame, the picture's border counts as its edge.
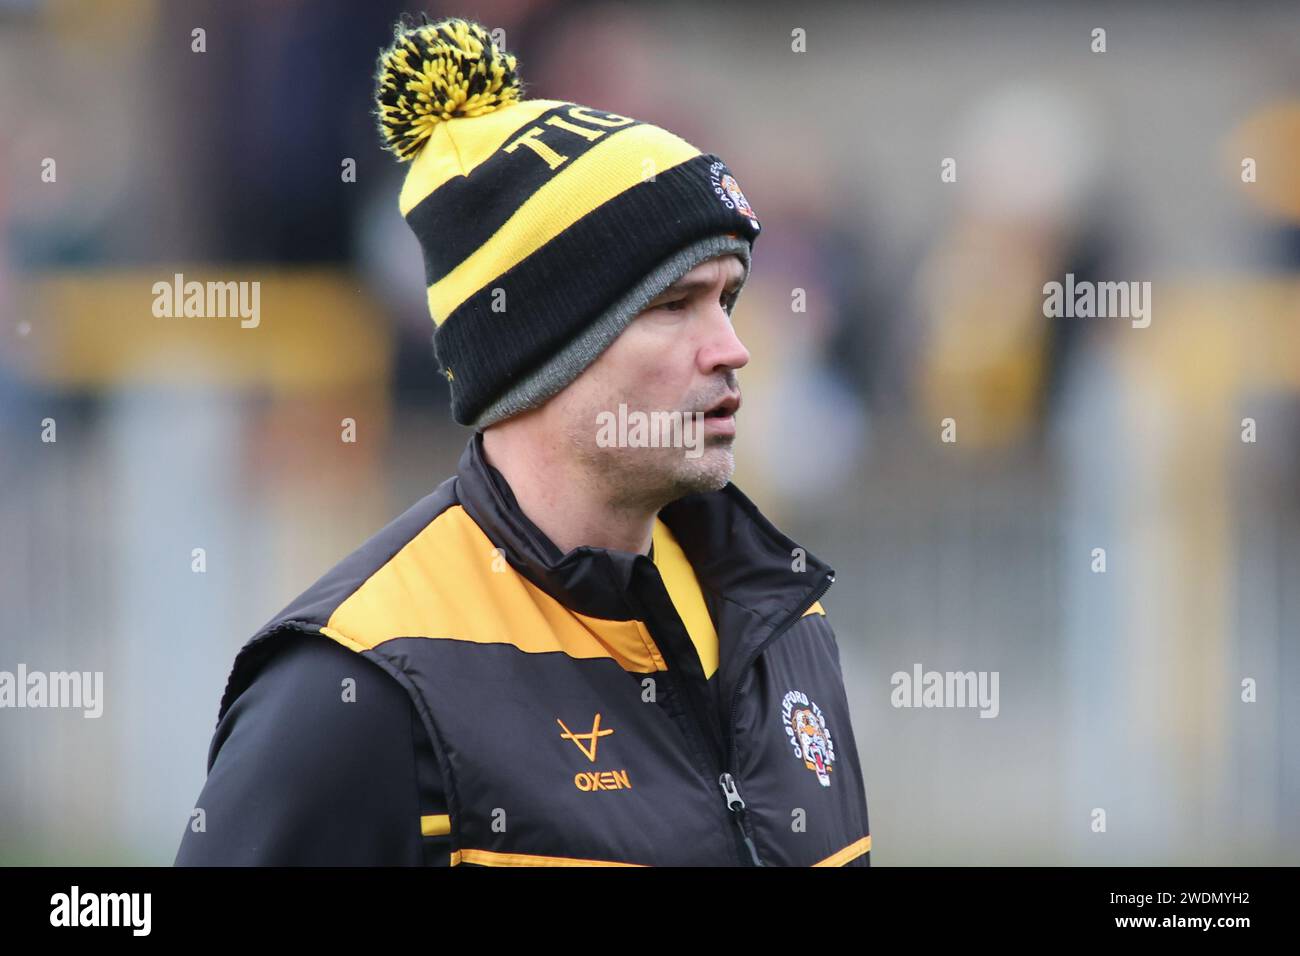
(736, 804)
(728, 784)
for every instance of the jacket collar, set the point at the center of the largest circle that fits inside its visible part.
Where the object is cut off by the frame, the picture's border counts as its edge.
(740, 559)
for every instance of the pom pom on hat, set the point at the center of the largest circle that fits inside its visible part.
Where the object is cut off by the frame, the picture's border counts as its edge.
(437, 71)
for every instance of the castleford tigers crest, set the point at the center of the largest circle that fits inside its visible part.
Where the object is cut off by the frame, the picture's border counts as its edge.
(809, 736)
(728, 190)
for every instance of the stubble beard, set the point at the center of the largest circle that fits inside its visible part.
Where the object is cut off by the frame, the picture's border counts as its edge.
(650, 478)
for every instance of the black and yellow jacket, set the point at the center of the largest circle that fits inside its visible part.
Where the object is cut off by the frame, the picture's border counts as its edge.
(457, 691)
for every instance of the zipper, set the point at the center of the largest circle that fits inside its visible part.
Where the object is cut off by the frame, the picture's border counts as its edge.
(702, 724)
(727, 780)
(737, 806)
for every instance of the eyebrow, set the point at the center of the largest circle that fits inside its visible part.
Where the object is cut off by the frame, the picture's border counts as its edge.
(698, 285)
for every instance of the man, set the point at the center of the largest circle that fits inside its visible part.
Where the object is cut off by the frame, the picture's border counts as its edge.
(587, 647)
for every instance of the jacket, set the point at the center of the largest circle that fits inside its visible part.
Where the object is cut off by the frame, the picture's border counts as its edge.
(556, 707)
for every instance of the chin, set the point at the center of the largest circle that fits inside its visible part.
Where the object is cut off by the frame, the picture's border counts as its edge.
(710, 472)
(654, 481)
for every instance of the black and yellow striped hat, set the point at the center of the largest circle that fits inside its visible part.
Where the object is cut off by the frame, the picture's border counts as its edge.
(546, 226)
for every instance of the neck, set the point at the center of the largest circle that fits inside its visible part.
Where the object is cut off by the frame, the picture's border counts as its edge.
(562, 498)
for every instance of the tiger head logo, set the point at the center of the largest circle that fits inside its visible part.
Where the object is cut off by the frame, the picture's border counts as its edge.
(810, 738)
(728, 191)
(732, 189)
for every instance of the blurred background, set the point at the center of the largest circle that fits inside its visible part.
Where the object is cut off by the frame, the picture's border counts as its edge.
(924, 301)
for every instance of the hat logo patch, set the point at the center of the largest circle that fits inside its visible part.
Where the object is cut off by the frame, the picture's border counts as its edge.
(728, 191)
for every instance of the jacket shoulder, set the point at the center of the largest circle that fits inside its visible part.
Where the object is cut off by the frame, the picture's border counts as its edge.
(318, 603)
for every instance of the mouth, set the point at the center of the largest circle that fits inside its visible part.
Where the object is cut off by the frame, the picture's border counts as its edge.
(720, 420)
(726, 408)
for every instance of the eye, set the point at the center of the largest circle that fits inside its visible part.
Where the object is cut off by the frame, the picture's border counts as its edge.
(727, 300)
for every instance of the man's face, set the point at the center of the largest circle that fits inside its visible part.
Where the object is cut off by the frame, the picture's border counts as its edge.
(678, 356)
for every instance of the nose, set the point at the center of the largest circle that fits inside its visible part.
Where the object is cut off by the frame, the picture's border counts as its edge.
(721, 347)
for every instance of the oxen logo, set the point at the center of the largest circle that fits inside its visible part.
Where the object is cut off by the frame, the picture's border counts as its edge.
(591, 780)
(810, 738)
(591, 738)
